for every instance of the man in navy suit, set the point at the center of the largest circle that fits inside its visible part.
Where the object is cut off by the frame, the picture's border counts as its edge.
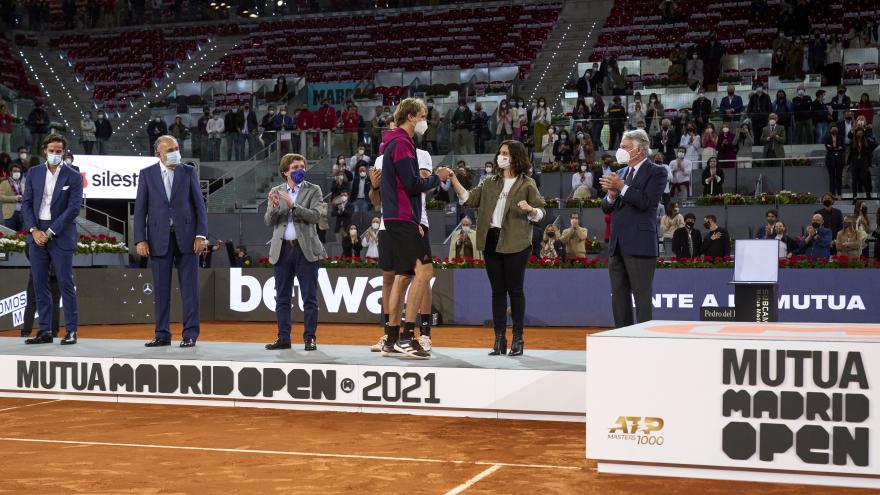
(171, 227)
(633, 195)
(50, 206)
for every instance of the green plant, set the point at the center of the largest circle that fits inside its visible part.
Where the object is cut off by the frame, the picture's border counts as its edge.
(435, 204)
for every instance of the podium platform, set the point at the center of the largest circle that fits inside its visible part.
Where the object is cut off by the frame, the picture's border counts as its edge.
(771, 402)
(541, 385)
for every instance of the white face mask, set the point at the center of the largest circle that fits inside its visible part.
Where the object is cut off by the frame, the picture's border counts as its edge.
(680, 154)
(622, 156)
(503, 162)
(466, 229)
(53, 160)
(375, 225)
(172, 158)
(488, 170)
(583, 168)
(725, 129)
(772, 122)
(22, 156)
(360, 152)
(68, 161)
(16, 175)
(353, 232)
(421, 127)
(363, 174)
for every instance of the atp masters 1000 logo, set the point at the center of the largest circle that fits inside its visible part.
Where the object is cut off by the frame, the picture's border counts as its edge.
(642, 430)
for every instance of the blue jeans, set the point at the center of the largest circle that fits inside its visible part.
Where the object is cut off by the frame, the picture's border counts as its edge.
(821, 130)
(361, 205)
(233, 149)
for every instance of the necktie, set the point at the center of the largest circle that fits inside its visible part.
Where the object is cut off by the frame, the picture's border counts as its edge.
(629, 176)
(169, 174)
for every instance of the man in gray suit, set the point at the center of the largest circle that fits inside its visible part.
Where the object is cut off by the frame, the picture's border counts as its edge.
(295, 251)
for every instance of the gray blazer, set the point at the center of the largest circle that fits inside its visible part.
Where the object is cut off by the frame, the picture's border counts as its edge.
(307, 210)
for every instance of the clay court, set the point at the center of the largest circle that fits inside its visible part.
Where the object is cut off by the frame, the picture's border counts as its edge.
(54, 446)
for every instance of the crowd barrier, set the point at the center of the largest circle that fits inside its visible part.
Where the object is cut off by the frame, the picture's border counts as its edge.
(570, 297)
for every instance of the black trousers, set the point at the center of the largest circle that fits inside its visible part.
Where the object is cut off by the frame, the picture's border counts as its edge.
(632, 277)
(507, 273)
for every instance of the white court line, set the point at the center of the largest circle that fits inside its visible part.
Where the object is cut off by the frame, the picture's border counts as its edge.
(29, 405)
(469, 483)
(279, 452)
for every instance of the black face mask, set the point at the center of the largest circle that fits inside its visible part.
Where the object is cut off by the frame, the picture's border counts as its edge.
(864, 209)
(828, 202)
(551, 234)
(690, 225)
(816, 225)
(707, 225)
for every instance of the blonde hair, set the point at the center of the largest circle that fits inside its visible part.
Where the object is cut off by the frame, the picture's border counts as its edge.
(407, 108)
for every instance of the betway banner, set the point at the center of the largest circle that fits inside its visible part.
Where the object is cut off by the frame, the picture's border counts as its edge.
(583, 297)
(344, 295)
(111, 177)
(784, 402)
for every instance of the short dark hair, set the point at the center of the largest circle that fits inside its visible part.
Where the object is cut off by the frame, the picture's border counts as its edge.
(15, 165)
(773, 212)
(22, 148)
(690, 216)
(711, 218)
(573, 214)
(54, 138)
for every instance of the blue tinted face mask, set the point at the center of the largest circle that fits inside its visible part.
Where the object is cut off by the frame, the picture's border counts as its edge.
(298, 175)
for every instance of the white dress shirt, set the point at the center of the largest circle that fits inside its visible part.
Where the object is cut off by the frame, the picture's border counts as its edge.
(48, 191)
(634, 171)
(290, 231)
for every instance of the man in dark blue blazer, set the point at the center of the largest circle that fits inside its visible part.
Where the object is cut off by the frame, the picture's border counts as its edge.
(50, 206)
(633, 195)
(171, 227)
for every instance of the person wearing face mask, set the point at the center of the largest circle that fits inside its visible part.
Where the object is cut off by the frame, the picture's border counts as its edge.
(215, 128)
(574, 239)
(87, 133)
(686, 240)
(295, 250)
(731, 105)
(342, 210)
(782, 107)
(701, 109)
(11, 196)
(548, 143)
(716, 243)
(200, 139)
(727, 149)
(370, 240)
(487, 173)
(50, 205)
(360, 189)
(481, 126)
(327, 120)
(834, 160)
(616, 122)
(665, 141)
(563, 148)
(6, 119)
(850, 241)
(816, 240)
(635, 115)
(709, 142)
(859, 161)
(654, 114)
(633, 195)
(787, 245)
(170, 201)
(179, 130)
(103, 132)
(759, 108)
(359, 156)
(551, 247)
(350, 120)
(433, 120)
(155, 128)
(821, 112)
(582, 182)
(520, 121)
(463, 242)
(503, 122)
(249, 131)
(351, 243)
(408, 250)
(671, 221)
(38, 124)
(540, 124)
(841, 104)
(773, 137)
(462, 134)
(690, 142)
(803, 119)
(694, 70)
(506, 204)
(232, 125)
(713, 178)
(681, 175)
(283, 125)
(832, 218)
(583, 150)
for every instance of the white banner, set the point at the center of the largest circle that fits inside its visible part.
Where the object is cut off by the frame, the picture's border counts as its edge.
(111, 177)
(527, 394)
(737, 398)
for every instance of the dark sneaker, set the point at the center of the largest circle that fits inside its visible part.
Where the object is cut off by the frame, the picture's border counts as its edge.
(411, 348)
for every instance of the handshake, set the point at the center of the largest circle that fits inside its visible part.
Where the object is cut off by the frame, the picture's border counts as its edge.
(444, 173)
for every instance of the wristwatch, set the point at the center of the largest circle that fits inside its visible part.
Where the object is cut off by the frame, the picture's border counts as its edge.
(32, 229)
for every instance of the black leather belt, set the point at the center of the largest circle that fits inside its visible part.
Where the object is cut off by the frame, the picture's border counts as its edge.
(293, 242)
